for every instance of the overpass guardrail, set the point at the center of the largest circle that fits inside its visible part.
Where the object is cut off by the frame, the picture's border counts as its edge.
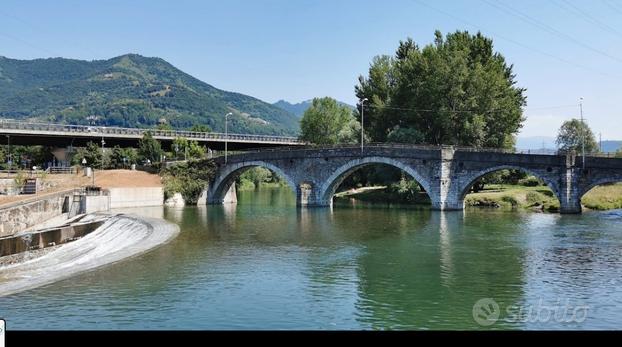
(6, 124)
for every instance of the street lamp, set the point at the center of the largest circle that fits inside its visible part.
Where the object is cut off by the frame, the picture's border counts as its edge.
(103, 152)
(362, 112)
(226, 134)
(9, 158)
(582, 133)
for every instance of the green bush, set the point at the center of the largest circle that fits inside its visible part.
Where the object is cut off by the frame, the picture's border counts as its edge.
(530, 181)
(189, 179)
(535, 198)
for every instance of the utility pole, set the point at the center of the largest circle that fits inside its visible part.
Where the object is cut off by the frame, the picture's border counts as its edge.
(9, 161)
(362, 132)
(582, 132)
(226, 134)
(103, 153)
(600, 142)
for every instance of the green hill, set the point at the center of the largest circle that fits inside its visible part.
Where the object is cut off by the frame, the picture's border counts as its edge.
(300, 108)
(129, 91)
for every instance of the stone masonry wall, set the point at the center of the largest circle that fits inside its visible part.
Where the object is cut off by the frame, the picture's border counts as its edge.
(20, 216)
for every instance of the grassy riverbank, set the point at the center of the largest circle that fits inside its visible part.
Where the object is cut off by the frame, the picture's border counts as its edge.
(246, 185)
(538, 198)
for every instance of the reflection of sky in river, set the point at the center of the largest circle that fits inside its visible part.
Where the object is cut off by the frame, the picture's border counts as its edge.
(265, 264)
(573, 263)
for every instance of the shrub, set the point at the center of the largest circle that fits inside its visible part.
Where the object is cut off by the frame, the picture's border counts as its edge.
(530, 181)
(189, 179)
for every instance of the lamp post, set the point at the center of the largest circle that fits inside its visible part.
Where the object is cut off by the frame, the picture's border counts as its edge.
(103, 154)
(226, 134)
(582, 132)
(362, 113)
(9, 158)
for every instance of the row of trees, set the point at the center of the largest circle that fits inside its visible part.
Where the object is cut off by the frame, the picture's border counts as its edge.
(149, 151)
(24, 157)
(456, 91)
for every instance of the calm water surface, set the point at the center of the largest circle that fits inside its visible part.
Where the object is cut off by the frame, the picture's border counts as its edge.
(264, 264)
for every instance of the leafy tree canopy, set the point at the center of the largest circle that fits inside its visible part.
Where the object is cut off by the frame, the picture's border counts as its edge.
(188, 149)
(326, 122)
(572, 134)
(92, 153)
(150, 148)
(456, 91)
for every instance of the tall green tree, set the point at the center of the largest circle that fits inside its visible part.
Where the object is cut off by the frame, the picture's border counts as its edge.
(326, 122)
(150, 148)
(189, 149)
(456, 91)
(572, 134)
(92, 153)
(122, 157)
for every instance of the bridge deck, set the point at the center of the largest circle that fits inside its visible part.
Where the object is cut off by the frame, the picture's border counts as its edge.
(29, 133)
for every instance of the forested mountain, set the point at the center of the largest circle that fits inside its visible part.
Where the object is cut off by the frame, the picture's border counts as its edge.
(129, 91)
(300, 108)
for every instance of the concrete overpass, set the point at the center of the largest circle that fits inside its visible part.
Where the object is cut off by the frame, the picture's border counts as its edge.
(446, 173)
(63, 136)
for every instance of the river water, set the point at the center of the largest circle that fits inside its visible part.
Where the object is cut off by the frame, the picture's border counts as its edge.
(264, 264)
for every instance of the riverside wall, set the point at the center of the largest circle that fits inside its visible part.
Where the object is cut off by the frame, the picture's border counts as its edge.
(136, 197)
(21, 215)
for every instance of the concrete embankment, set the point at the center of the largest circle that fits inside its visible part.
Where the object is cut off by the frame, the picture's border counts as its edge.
(119, 237)
(121, 197)
(21, 215)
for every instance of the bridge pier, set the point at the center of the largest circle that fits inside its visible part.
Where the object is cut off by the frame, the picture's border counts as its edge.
(449, 205)
(230, 197)
(572, 206)
(308, 196)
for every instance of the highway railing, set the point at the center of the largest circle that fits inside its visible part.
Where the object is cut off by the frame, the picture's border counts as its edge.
(139, 132)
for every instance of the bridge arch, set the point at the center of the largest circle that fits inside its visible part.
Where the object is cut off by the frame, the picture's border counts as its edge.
(597, 182)
(471, 179)
(222, 183)
(330, 185)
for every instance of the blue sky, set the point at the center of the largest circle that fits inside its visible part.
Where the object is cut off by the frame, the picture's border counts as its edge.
(295, 50)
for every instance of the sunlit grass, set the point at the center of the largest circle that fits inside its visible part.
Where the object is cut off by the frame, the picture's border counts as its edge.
(605, 197)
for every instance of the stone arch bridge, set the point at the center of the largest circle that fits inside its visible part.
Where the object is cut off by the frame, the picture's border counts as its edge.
(446, 173)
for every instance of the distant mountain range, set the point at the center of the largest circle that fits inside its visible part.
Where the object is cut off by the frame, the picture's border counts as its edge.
(547, 143)
(300, 108)
(129, 91)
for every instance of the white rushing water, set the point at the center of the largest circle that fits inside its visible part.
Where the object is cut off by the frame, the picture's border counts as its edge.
(120, 237)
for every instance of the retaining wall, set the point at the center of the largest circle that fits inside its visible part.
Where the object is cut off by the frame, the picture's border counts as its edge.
(136, 197)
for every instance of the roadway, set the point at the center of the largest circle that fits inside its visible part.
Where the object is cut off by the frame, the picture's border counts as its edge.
(61, 135)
